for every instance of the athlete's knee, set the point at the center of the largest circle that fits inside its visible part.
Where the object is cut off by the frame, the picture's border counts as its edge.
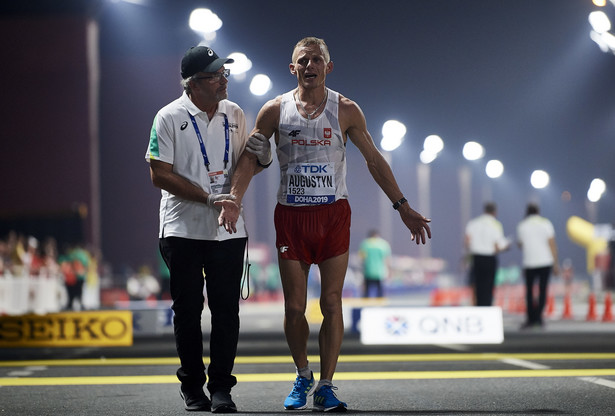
(294, 311)
(331, 304)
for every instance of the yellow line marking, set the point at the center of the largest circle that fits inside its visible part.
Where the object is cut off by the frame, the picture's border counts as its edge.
(348, 376)
(283, 359)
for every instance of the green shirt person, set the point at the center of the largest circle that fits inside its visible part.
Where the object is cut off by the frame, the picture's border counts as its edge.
(375, 252)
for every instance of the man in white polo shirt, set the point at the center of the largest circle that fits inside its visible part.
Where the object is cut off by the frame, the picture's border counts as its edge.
(536, 238)
(195, 143)
(484, 239)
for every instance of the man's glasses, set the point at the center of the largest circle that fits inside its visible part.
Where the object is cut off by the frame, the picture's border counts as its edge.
(217, 77)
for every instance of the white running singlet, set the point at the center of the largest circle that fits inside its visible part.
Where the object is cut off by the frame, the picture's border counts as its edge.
(312, 154)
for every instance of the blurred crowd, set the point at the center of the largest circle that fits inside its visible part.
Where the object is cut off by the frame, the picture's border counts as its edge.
(29, 266)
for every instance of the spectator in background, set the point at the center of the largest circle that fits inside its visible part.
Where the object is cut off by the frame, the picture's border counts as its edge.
(375, 252)
(31, 258)
(143, 285)
(484, 239)
(536, 238)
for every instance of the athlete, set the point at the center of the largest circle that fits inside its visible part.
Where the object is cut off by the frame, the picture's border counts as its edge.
(311, 125)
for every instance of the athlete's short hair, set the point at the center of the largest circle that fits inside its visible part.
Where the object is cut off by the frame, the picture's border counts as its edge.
(311, 40)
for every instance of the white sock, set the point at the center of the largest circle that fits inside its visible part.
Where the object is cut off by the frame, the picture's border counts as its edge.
(323, 383)
(304, 372)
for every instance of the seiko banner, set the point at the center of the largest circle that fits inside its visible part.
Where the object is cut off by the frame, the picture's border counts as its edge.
(433, 325)
(70, 329)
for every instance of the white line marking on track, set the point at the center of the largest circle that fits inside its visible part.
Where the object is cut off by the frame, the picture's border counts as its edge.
(524, 364)
(19, 373)
(454, 347)
(599, 381)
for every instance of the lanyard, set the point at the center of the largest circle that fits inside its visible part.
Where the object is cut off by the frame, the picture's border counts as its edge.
(203, 151)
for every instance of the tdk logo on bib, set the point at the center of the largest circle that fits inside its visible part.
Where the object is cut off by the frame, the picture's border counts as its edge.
(314, 169)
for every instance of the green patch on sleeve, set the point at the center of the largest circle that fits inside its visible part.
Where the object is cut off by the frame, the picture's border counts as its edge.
(154, 151)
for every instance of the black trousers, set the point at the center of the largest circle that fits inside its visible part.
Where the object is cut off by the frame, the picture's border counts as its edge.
(371, 285)
(534, 310)
(222, 264)
(483, 277)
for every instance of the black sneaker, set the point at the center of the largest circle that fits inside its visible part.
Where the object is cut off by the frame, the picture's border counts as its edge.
(221, 402)
(195, 400)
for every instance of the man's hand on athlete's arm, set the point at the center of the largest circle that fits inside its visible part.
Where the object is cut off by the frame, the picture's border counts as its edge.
(260, 146)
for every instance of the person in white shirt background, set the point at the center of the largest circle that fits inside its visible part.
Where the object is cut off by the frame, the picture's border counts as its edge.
(536, 238)
(484, 239)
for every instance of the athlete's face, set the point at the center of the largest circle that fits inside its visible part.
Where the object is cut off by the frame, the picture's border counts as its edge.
(310, 66)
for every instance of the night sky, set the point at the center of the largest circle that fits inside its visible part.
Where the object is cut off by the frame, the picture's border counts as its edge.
(522, 77)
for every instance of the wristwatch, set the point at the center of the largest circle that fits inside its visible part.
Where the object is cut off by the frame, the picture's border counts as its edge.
(400, 203)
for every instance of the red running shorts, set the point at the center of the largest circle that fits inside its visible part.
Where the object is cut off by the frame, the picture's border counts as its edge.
(312, 234)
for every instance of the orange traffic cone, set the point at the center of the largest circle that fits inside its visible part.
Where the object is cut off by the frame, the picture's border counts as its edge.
(591, 313)
(608, 312)
(567, 307)
(437, 297)
(550, 305)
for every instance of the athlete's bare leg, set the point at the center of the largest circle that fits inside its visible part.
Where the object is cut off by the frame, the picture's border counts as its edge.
(332, 274)
(294, 276)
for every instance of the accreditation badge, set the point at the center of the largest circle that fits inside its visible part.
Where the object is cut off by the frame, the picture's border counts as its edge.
(220, 182)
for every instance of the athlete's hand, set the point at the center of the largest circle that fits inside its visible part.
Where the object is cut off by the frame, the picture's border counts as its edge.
(213, 198)
(416, 223)
(229, 214)
(260, 146)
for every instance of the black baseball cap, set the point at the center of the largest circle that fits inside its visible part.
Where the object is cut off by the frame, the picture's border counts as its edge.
(202, 59)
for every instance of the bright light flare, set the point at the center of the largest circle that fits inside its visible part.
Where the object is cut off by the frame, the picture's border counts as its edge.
(241, 65)
(393, 133)
(433, 144)
(539, 179)
(596, 189)
(204, 21)
(494, 169)
(473, 151)
(260, 85)
(600, 21)
(427, 157)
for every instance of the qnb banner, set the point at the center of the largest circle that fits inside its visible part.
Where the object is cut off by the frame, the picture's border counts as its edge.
(70, 329)
(434, 325)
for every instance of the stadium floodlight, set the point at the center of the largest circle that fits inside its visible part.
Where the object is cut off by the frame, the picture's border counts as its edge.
(241, 65)
(600, 21)
(393, 133)
(427, 157)
(539, 179)
(206, 22)
(494, 169)
(473, 150)
(433, 144)
(260, 85)
(596, 189)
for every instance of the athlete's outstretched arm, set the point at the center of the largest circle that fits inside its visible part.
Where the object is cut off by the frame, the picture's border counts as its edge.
(247, 166)
(353, 123)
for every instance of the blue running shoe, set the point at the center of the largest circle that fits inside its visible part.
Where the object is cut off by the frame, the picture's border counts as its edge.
(297, 399)
(325, 400)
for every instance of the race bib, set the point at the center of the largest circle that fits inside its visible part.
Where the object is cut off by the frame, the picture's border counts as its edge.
(220, 182)
(310, 183)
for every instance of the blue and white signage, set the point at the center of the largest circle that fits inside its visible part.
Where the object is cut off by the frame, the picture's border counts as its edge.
(432, 325)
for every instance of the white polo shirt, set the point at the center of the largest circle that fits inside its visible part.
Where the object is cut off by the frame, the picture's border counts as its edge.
(485, 233)
(534, 233)
(173, 140)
